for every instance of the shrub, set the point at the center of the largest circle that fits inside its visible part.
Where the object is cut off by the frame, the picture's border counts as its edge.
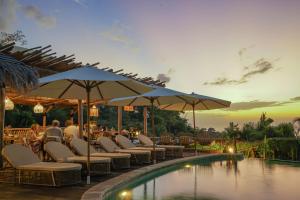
(283, 148)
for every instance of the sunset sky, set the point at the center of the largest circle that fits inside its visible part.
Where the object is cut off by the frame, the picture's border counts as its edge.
(247, 52)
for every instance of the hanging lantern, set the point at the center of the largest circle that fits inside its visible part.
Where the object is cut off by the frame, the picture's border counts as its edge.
(9, 104)
(38, 108)
(94, 112)
(128, 108)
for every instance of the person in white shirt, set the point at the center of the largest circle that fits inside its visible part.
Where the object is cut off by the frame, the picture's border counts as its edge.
(71, 131)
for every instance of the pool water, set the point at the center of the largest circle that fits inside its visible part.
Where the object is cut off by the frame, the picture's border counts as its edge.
(249, 179)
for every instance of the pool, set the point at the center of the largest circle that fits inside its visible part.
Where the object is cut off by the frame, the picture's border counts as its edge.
(216, 180)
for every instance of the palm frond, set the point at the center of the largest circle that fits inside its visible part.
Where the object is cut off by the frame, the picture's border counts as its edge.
(17, 75)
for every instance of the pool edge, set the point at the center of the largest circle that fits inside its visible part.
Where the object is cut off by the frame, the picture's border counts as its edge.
(99, 191)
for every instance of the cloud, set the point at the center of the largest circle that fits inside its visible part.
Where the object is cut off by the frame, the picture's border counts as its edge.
(244, 50)
(261, 66)
(35, 13)
(7, 13)
(249, 105)
(119, 33)
(295, 98)
(166, 77)
(80, 2)
(225, 81)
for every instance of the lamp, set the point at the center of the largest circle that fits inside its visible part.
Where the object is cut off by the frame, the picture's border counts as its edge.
(9, 104)
(128, 108)
(94, 112)
(38, 108)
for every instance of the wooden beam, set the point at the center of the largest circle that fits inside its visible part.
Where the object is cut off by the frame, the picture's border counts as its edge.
(119, 119)
(7, 46)
(145, 121)
(80, 118)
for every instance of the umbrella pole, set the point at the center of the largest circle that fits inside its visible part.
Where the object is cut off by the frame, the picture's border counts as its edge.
(194, 122)
(2, 117)
(153, 131)
(88, 178)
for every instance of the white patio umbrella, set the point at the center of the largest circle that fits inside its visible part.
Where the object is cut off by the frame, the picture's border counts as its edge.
(157, 97)
(194, 102)
(88, 83)
(168, 99)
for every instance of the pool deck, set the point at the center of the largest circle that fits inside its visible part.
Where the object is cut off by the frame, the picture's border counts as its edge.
(98, 188)
(99, 191)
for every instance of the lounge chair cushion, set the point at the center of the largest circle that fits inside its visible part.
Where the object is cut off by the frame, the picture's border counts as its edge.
(107, 144)
(62, 153)
(145, 140)
(18, 155)
(124, 142)
(50, 166)
(148, 148)
(111, 147)
(148, 142)
(83, 159)
(58, 151)
(133, 151)
(80, 146)
(111, 155)
(127, 144)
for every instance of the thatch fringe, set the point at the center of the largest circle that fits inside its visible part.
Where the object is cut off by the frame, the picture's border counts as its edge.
(17, 75)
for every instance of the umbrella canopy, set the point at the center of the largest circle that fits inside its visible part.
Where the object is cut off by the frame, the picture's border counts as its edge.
(88, 83)
(194, 102)
(159, 97)
(199, 102)
(103, 85)
(168, 99)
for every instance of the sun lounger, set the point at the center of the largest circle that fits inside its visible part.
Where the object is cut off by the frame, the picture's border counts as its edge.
(127, 144)
(137, 156)
(61, 153)
(119, 160)
(30, 170)
(172, 151)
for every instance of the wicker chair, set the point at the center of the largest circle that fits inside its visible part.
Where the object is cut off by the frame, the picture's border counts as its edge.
(61, 153)
(30, 170)
(119, 160)
(166, 140)
(127, 144)
(138, 157)
(185, 140)
(172, 151)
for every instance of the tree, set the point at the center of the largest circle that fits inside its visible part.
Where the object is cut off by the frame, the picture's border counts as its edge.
(233, 132)
(17, 36)
(248, 128)
(264, 122)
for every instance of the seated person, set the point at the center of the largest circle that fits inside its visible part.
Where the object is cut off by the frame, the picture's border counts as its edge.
(53, 133)
(71, 131)
(33, 139)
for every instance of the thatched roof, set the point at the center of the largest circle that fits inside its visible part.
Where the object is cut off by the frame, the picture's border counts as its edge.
(45, 62)
(16, 75)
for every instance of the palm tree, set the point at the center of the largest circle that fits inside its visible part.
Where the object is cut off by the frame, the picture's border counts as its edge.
(233, 132)
(18, 77)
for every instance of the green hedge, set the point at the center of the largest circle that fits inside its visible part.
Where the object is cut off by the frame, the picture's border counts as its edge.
(283, 148)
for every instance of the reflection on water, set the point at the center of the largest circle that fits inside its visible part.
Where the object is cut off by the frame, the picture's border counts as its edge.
(247, 179)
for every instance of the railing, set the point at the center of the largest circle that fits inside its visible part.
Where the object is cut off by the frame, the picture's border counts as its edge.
(15, 135)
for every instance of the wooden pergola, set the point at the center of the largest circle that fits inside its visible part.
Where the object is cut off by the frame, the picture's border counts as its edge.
(46, 62)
